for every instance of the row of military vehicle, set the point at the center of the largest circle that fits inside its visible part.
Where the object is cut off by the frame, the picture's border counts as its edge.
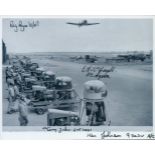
(45, 90)
(56, 95)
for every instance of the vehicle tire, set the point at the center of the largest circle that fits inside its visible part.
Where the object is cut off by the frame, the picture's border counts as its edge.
(40, 111)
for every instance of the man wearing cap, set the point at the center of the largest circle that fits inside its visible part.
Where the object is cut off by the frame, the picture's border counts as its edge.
(18, 82)
(23, 111)
(9, 73)
(13, 91)
(11, 98)
(10, 80)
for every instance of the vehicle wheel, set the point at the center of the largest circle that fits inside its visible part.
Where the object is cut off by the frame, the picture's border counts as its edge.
(40, 111)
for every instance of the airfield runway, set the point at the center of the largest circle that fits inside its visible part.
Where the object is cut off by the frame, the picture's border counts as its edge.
(129, 101)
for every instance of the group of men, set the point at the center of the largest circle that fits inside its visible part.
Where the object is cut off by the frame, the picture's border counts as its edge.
(17, 102)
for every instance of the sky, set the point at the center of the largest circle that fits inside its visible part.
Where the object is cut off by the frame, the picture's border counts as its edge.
(54, 35)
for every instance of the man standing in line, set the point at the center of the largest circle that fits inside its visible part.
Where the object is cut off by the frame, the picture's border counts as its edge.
(23, 111)
(11, 98)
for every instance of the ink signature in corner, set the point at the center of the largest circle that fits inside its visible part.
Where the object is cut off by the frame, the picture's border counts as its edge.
(151, 136)
(108, 134)
(21, 26)
(33, 24)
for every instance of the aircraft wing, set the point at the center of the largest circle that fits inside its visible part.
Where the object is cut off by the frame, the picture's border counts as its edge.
(92, 23)
(73, 23)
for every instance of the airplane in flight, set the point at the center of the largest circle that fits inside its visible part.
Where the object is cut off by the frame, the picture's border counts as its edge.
(83, 23)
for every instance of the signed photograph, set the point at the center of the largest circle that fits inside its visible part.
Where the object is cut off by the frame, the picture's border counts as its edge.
(77, 72)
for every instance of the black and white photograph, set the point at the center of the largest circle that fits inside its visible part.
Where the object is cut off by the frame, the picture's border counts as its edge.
(92, 72)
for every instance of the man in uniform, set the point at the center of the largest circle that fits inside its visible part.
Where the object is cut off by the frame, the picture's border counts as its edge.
(23, 111)
(11, 98)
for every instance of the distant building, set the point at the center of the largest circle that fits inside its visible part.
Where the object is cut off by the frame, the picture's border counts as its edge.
(4, 52)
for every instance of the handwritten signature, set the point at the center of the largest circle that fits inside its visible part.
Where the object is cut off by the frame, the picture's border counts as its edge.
(65, 128)
(102, 135)
(21, 26)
